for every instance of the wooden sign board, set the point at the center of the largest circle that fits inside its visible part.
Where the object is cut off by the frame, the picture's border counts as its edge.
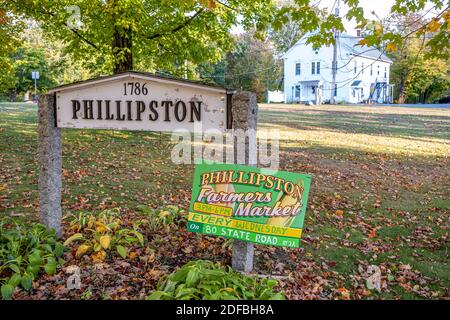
(141, 101)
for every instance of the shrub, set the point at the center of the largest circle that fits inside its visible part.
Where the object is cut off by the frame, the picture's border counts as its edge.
(25, 250)
(161, 218)
(102, 232)
(205, 280)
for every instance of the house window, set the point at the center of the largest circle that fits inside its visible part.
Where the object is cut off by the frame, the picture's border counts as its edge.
(385, 72)
(362, 67)
(378, 70)
(371, 69)
(313, 89)
(297, 91)
(335, 90)
(355, 68)
(313, 68)
(298, 69)
(317, 67)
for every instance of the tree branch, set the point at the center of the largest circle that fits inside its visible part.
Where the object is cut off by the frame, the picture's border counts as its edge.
(79, 35)
(177, 28)
(426, 24)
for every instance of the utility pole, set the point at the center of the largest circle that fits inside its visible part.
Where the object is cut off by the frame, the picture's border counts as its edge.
(334, 63)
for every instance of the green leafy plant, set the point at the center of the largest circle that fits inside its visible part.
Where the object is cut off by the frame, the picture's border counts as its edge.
(102, 232)
(161, 218)
(205, 280)
(25, 250)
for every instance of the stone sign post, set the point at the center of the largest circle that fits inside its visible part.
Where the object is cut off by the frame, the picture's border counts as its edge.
(244, 111)
(137, 101)
(50, 164)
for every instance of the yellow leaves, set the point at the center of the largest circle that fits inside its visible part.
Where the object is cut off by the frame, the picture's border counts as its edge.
(133, 255)
(103, 232)
(378, 29)
(373, 233)
(363, 42)
(72, 238)
(82, 249)
(433, 25)
(100, 227)
(98, 256)
(164, 213)
(446, 15)
(229, 290)
(154, 274)
(3, 187)
(211, 4)
(344, 293)
(391, 47)
(105, 241)
(339, 212)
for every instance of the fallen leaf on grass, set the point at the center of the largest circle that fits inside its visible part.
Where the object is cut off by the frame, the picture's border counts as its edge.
(344, 293)
(373, 233)
(82, 249)
(98, 256)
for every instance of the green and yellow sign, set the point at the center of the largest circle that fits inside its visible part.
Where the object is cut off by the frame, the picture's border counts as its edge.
(247, 203)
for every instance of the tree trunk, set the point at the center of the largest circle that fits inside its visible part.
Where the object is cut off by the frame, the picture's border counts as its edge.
(12, 95)
(401, 88)
(401, 93)
(122, 50)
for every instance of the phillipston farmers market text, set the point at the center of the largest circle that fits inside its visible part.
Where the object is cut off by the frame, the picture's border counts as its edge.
(246, 199)
(137, 110)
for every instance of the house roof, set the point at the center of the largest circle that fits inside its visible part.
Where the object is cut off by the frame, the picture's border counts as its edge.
(142, 76)
(349, 44)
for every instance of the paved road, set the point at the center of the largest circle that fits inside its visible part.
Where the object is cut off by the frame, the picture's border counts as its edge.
(410, 105)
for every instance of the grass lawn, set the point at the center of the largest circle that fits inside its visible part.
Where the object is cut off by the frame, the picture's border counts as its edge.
(380, 196)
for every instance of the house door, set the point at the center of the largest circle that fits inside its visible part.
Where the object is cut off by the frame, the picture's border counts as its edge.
(297, 91)
(309, 93)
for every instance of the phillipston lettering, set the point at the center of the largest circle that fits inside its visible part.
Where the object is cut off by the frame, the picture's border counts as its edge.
(127, 110)
(142, 101)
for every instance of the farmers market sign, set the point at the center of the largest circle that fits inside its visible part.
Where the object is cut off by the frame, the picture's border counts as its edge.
(248, 203)
(142, 101)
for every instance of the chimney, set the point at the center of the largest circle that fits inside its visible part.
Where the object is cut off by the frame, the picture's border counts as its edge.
(358, 33)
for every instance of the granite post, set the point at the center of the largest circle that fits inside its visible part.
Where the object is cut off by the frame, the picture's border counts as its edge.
(50, 164)
(244, 113)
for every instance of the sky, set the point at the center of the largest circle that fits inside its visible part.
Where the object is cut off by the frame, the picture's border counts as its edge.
(382, 9)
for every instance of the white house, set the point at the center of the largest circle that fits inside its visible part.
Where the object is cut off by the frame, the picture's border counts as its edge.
(362, 73)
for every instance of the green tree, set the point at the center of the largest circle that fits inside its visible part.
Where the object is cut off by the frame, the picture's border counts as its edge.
(286, 36)
(418, 75)
(252, 65)
(175, 35)
(10, 28)
(25, 60)
(35, 52)
(150, 34)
